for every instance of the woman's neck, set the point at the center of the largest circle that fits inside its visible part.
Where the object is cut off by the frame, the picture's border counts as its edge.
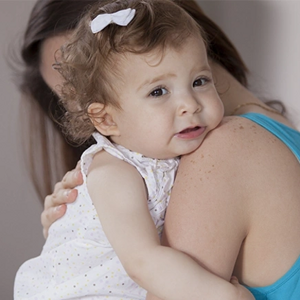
(234, 96)
(232, 92)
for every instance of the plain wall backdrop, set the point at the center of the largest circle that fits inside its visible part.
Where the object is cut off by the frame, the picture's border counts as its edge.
(265, 32)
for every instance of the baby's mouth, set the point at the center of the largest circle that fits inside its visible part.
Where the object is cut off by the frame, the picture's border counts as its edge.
(189, 130)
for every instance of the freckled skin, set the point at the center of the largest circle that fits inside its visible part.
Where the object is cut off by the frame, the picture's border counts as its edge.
(227, 208)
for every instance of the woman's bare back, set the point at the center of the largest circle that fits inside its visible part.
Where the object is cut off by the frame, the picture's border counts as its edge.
(235, 206)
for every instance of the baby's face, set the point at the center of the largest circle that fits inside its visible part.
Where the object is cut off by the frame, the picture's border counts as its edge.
(169, 103)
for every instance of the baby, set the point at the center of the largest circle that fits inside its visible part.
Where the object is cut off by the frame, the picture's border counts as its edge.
(137, 78)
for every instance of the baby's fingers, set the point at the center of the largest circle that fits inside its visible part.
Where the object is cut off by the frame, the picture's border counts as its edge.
(234, 280)
(243, 293)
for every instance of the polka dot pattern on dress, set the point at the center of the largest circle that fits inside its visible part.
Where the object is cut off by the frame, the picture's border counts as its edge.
(77, 260)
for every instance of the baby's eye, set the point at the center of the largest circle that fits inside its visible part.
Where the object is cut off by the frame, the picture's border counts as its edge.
(159, 92)
(200, 81)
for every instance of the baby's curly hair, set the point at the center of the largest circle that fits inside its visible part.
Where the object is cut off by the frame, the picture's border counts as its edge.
(88, 62)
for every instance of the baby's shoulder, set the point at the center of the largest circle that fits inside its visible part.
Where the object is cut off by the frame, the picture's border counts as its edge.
(108, 168)
(106, 162)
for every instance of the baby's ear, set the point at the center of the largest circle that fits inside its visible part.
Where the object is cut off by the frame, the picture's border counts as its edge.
(102, 119)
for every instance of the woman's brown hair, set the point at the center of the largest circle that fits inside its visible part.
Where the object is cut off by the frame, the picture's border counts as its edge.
(49, 155)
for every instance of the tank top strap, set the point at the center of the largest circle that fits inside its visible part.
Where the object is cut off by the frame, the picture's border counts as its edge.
(289, 136)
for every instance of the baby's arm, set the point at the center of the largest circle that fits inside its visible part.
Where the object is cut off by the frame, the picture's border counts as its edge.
(119, 195)
(242, 292)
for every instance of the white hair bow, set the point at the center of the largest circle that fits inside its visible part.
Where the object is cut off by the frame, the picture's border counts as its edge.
(121, 18)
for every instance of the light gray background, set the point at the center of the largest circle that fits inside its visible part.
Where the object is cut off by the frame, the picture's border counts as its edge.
(265, 32)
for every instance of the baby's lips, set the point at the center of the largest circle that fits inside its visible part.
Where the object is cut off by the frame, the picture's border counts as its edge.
(190, 129)
(191, 132)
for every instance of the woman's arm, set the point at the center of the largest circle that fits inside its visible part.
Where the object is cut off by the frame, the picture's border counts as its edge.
(208, 216)
(120, 198)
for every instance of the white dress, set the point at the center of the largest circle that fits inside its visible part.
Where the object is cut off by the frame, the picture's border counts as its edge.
(77, 261)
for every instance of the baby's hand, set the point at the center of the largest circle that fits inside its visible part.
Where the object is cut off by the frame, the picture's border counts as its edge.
(64, 192)
(242, 292)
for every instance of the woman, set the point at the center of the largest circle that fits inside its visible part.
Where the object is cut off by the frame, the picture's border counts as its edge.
(238, 193)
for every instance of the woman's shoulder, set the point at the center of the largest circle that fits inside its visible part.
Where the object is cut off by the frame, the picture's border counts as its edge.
(239, 128)
(237, 132)
(243, 149)
(235, 137)
(237, 148)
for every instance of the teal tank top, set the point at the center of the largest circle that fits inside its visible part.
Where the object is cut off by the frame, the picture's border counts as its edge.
(288, 286)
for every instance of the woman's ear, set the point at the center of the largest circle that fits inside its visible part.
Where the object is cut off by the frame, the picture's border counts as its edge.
(102, 118)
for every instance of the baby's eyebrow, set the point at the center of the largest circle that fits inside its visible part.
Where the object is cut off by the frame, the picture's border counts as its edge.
(156, 79)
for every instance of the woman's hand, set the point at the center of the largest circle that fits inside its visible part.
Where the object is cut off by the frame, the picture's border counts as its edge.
(64, 192)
